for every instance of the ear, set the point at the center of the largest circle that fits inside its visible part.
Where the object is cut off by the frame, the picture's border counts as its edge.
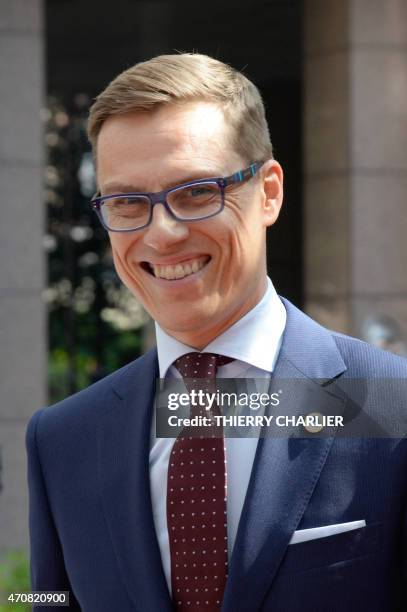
(272, 186)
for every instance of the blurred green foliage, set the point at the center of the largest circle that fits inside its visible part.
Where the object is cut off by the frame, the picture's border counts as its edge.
(122, 348)
(14, 578)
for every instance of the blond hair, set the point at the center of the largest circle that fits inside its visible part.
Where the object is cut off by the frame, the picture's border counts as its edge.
(178, 78)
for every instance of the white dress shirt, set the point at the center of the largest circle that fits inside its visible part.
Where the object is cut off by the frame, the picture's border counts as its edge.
(254, 343)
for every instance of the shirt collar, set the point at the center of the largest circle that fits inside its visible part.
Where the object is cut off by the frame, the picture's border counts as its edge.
(254, 339)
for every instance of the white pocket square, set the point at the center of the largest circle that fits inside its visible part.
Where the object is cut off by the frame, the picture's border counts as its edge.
(303, 535)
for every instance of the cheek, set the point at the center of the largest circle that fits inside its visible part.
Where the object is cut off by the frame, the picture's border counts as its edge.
(118, 247)
(123, 249)
(124, 246)
(242, 245)
(237, 237)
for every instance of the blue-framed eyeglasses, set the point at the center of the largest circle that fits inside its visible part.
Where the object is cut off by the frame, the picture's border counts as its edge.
(193, 201)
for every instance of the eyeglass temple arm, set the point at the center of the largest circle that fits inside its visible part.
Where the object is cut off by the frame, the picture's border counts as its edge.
(242, 175)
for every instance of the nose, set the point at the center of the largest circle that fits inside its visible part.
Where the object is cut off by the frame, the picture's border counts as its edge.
(164, 231)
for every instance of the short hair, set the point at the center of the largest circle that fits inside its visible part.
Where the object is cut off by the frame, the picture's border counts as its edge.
(184, 77)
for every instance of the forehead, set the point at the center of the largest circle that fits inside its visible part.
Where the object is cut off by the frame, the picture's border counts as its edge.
(157, 145)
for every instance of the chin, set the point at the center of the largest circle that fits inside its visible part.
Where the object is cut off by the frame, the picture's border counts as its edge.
(195, 320)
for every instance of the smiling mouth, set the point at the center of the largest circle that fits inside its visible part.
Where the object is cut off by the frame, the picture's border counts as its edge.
(177, 271)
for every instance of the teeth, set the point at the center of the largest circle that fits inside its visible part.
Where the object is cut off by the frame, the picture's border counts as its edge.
(178, 271)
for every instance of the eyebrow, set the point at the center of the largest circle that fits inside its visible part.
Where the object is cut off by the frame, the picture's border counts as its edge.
(117, 187)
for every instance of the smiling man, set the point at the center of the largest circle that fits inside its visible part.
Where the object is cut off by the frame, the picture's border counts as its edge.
(126, 520)
(196, 279)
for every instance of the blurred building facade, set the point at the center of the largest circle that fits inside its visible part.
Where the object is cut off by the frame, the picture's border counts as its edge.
(355, 167)
(22, 268)
(334, 79)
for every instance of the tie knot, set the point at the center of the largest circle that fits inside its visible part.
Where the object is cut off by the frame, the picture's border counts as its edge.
(200, 365)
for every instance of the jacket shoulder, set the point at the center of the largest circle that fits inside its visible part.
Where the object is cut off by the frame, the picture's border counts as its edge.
(80, 410)
(363, 359)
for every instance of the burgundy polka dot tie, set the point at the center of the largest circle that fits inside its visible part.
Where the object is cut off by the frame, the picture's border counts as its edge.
(196, 501)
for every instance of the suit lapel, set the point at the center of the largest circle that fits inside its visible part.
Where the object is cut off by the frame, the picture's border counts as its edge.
(285, 470)
(123, 459)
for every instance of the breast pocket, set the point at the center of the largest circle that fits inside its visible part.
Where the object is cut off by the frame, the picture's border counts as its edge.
(332, 549)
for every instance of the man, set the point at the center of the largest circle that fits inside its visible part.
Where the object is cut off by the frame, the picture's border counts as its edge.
(118, 516)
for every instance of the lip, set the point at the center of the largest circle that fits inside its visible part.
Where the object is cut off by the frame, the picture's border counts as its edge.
(177, 282)
(173, 261)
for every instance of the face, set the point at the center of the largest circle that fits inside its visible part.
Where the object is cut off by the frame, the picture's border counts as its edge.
(220, 262)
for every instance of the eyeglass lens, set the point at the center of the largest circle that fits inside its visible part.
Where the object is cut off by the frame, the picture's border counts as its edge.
(187, 203)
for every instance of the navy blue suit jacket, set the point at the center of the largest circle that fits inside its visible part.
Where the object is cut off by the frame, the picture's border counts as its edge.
(91, 521)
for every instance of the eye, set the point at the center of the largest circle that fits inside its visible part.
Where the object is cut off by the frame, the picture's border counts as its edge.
(139, 200)
(200, 190)
(194, 201)
(126, 207)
